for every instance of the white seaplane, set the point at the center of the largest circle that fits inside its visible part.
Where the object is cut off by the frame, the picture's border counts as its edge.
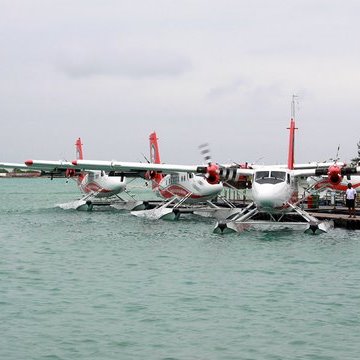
(176, 188)
(94, 184)
(275, 192)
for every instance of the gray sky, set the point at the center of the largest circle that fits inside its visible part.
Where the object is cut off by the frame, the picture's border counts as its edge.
(195, 71)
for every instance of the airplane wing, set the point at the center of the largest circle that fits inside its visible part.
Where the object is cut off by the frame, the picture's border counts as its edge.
(13, 166)
(225, 173)
(46, 168)
(345, 170)
(49, 165)
(213, 172)
(39, 165)
(131, 169)
(315, 165)
(132, 166)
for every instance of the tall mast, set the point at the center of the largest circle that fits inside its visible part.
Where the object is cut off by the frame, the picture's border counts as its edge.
(293, 106)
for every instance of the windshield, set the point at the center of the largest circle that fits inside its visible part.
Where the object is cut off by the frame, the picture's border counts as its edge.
(270, 177)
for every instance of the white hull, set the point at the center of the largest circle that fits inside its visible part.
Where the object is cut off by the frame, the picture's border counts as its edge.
(238, 227)
(130, 205)
(157, 214)
(81, 205)
(218, 214)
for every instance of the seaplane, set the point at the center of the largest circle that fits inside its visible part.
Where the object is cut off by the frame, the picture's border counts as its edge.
(275, 192)
(175, 188)
(320, 183)
(94, 184)
(274, 187)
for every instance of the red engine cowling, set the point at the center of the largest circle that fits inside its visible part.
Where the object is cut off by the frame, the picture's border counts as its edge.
(334, 174)
(70, 173)
(212, 174)
(150, 175)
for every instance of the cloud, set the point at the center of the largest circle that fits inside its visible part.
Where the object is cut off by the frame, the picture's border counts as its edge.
(82, 61)
(226, 89)
(224, 73)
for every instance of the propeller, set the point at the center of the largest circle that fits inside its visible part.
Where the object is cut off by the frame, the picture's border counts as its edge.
(212, 171)
(147, 160)
(205, 152)
(150, 174)
(335, 172)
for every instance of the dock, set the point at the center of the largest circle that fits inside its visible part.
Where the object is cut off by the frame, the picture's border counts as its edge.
(340, 217)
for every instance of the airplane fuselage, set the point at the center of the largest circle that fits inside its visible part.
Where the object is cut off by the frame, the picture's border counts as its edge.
(101, 184)
(187, 184)
(273, 189)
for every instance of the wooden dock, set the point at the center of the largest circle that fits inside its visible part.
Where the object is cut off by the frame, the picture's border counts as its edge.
(340, 217)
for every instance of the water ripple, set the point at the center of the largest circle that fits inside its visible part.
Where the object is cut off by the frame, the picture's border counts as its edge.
(106, 285)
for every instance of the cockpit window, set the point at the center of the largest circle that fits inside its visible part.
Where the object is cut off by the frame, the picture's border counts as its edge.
(278, 175)
(270, 177)
(261, 175)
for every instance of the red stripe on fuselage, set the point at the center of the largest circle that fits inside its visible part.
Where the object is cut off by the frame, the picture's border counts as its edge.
(177, 190)
(338, 187)
(80, 178)
(94, 187)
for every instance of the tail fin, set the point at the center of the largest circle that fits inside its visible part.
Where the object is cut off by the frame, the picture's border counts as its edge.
(79, 150)
(155, 159)
(291, 156)
(154, 149)
(292, 128)
(79, 156)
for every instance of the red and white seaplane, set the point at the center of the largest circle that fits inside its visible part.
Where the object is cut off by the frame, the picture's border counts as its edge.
(320, 183)
(274, 188)
(94, 184)
(175, 188)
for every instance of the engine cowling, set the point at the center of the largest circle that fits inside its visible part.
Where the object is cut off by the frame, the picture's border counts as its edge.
(70, 173)
(213, 174)
(150, 175)
(334, 174)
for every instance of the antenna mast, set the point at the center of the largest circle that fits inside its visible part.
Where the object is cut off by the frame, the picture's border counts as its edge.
(293, 106)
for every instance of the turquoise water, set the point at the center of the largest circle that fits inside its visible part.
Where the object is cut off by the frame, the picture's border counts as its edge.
(107, 285)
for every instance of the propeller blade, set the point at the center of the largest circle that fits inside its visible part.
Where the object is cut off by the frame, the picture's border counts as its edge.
(205, 152)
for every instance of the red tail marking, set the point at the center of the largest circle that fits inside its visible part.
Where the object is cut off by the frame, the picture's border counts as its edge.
(79, 156)
(79, 150)
(291, 156)
(154, 149)
(155, 159)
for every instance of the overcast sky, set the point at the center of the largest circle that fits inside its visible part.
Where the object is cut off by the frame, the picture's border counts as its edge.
(222, 72)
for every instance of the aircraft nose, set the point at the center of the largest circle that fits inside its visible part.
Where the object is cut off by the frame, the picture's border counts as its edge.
(217, 188)
(211, 190)
(269, 198)
(117, 186)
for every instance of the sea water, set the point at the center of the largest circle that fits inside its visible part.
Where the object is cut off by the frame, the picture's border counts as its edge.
(108, 285)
